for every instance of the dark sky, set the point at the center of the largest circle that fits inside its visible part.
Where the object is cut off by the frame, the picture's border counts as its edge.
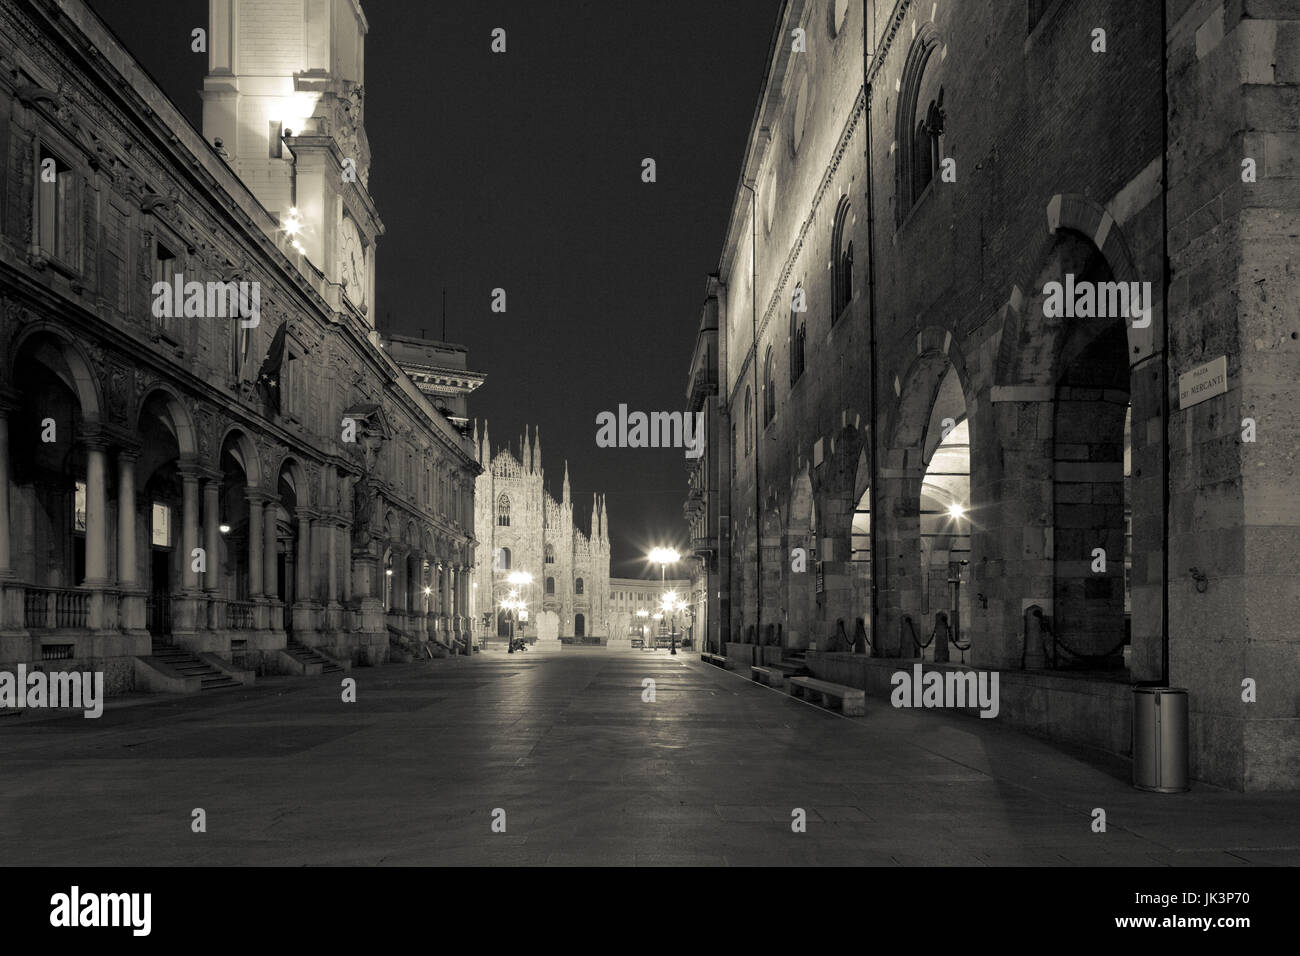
(523, 171)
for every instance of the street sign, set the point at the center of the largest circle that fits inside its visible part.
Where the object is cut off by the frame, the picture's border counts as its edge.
(1204, 381)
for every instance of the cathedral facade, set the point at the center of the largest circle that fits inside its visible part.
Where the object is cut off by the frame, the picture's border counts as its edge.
(210, 466)
(520, 527)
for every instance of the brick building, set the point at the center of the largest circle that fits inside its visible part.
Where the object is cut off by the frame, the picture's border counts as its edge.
(967, 471)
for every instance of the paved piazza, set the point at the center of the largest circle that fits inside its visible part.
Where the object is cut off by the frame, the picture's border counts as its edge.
(587, 772)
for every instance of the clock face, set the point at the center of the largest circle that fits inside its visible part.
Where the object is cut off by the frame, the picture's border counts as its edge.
(354, 263)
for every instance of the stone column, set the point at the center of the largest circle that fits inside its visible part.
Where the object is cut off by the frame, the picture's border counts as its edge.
(127, 571)
(5, 569)
(189, 529)
(212, 533)
(269, 565)
(331, 528)
(255, 542)
(302, 586)
(96, 512)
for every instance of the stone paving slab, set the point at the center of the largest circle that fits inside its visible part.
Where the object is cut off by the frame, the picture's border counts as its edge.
(588, 773)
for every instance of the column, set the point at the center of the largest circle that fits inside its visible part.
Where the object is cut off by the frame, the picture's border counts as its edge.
(5, 569)
(302, 590)
(345, 550)
(269, 583)
(189, 529)
(212, 533)
(126, 559)
(254, 499)
(331, 530)
(96, 512)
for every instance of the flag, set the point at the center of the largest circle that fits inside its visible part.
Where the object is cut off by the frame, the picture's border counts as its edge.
(268, 379)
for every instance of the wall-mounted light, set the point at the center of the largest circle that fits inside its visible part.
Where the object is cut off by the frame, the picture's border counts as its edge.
(224, 528)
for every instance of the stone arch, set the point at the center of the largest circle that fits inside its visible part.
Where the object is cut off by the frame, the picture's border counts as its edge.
(67, 359)
(177, 417)
(935, 386)
(801, 547)
(244, 451)
(297, 479)
(1078, 380)
(1030, 343)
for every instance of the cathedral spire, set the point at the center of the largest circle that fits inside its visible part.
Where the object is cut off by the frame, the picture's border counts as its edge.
(604, 521)
(565, 500)
(595, 519)
(529, 439)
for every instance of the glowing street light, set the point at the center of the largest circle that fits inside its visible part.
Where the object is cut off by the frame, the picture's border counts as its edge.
(956, 510)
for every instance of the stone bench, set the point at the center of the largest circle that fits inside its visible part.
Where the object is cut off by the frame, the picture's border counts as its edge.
(766, 675)
(853, 700)
(717, 660)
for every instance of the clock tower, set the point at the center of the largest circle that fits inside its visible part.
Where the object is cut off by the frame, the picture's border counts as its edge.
(285, 96)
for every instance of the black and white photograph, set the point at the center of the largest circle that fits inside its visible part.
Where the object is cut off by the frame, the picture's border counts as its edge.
(673, 434)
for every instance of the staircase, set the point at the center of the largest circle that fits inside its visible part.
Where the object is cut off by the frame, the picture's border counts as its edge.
(309, 655)
(792, 665)
(187, 665)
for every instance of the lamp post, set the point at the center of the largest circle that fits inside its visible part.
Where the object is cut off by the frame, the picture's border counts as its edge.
(513, 605)
(642, 613)
(664, 557)
(517, 580)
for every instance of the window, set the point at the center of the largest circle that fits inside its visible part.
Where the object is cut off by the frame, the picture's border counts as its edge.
(240, 340)
(503, 559)
(550, 585)
(769, 389)
(164, 270)
(841, 261)
(274, 139)
(577, 586)
(79, 507)
(56, 209)
(921, 121)
(749, 432)
(550, 554)
(162, 525)
(798, 334)
(503, 512)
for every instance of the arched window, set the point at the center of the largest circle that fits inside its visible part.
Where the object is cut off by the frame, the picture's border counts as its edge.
(749, 431)
(503, 559)
(503, 511)
(550, 585)
(798, 333)
(841, 261)
(577, 586)
(769, 389)
(550, 554)
(921, 120)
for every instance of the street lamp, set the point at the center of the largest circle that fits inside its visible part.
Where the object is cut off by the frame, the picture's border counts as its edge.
(642, 613)
(672, 605)
(663, 557)
(514, 606)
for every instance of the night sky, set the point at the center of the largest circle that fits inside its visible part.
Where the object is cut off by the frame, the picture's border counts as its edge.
(523, 171)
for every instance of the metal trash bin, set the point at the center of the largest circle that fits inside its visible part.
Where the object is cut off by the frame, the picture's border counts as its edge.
(1160, 739)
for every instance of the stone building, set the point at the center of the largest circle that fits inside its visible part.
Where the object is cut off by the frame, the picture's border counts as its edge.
(199, 486)
(522, 528)
(970, 469)
(634, 602)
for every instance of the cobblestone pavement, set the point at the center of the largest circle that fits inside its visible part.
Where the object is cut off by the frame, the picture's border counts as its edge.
(586, 772)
